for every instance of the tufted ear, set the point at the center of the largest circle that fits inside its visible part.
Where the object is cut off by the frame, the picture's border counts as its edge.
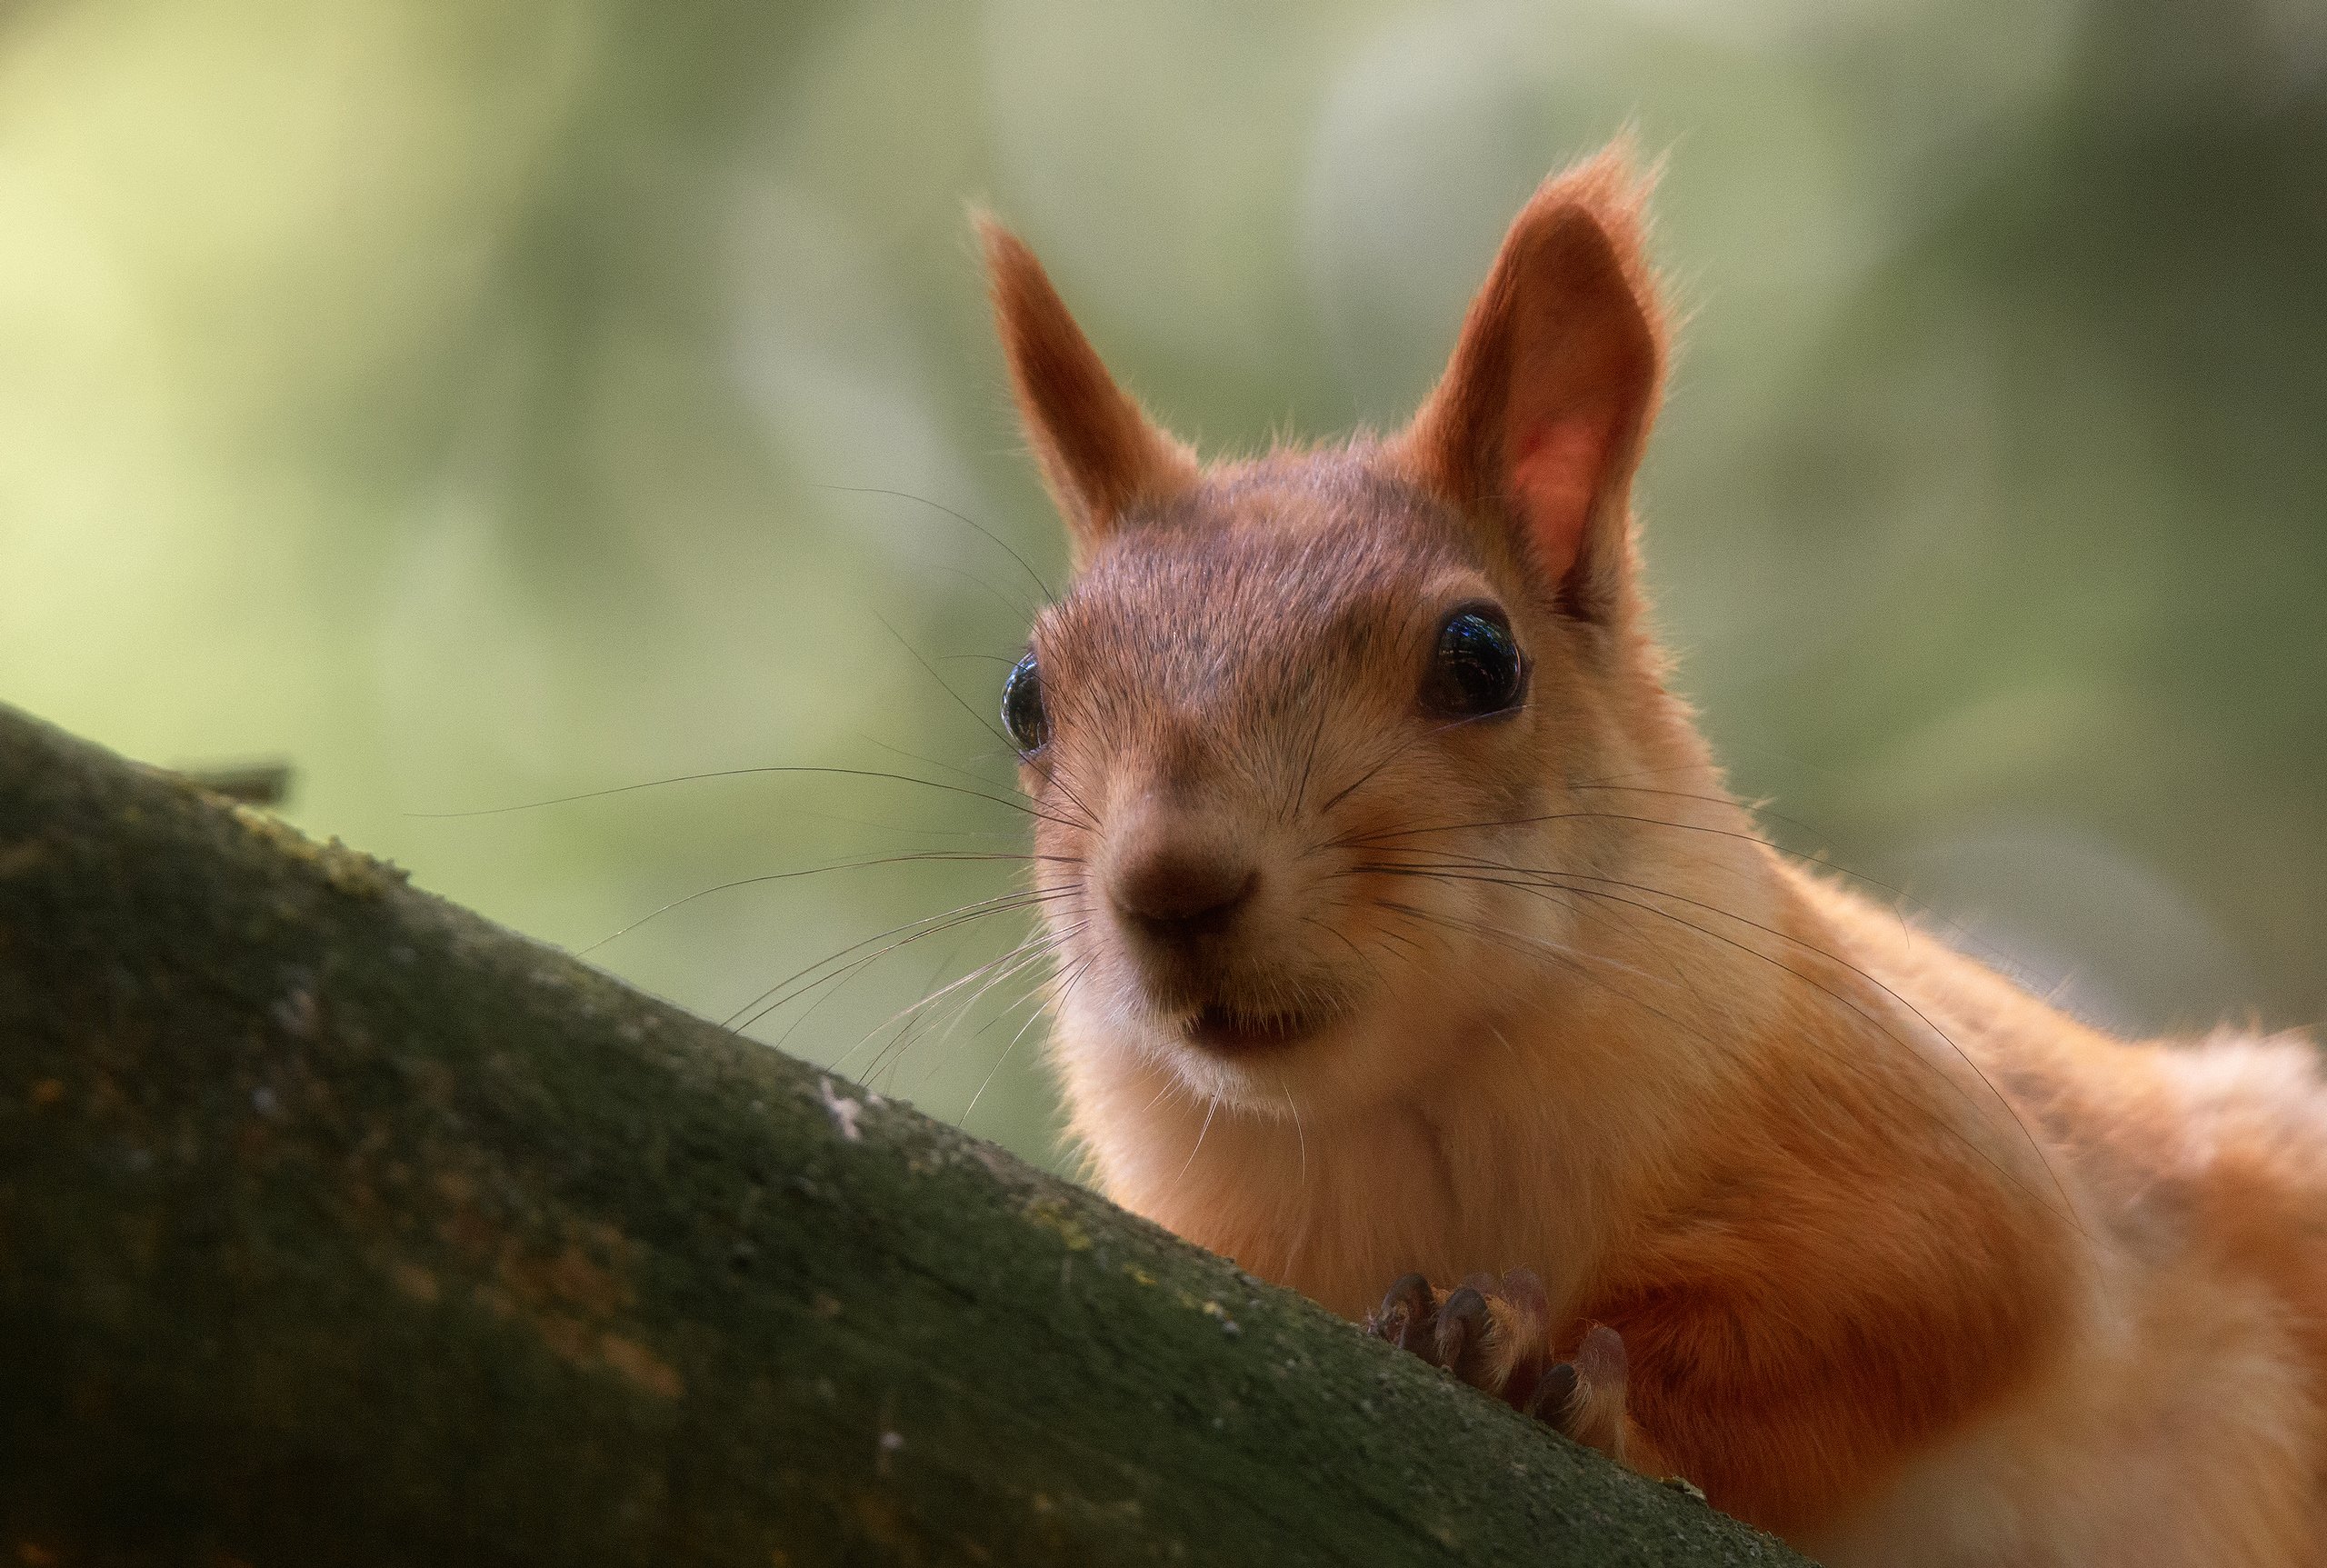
(1100, 453)
(1539, 420)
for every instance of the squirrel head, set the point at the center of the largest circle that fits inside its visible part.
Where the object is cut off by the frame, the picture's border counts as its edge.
(1304, 725)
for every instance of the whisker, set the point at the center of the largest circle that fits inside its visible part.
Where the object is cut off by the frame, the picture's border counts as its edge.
(1035, 946)
(1395, 752)
(942, 684)
(1309, 762)
(1170, 1085)
(976, 778)
(1031, 1019)
(1575, 958)
(1377, 841)
(726, 774)
(1016, 962)
(872, 1068)
(967, 521)
(1213, 1109)
(1756, 811)
(776, 995)
(1526, 879)
(1053, 777)
(1301, 1138)
(940, 856)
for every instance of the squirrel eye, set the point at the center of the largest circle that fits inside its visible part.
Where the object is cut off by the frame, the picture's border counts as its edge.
(1022, 706)
(1477, 668)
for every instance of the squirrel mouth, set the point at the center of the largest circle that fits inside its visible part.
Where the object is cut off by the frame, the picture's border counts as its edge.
(1222, 1028)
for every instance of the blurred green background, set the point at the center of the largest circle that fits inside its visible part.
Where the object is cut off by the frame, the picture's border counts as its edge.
(476, 401)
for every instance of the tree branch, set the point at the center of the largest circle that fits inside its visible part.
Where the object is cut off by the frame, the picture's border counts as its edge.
(338, 1225)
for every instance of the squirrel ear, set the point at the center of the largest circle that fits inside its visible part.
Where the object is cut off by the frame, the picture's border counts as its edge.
(1099, 453)
(1540, 417)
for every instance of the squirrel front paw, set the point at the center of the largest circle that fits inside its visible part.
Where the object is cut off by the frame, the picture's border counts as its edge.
(1496, 1335)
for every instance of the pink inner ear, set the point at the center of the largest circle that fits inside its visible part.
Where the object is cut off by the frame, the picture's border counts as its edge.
(1555, 470)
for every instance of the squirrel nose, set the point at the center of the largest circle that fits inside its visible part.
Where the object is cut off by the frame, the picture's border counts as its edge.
(1172, 894)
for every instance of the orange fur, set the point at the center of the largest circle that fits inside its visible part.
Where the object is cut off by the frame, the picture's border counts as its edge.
(1903, 1263)
(1099, 454)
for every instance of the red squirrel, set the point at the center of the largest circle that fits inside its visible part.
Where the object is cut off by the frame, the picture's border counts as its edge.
(1412, 952)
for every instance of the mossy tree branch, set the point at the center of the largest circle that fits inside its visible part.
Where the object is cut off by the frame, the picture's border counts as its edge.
(338, 1225)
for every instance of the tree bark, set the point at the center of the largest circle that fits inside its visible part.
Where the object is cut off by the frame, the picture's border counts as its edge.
(338, 1225)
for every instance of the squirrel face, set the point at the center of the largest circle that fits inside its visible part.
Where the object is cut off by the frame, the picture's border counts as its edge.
(1296, 714)
(1267, 704)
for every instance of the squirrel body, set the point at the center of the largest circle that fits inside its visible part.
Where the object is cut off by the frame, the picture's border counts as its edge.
(1405, 925)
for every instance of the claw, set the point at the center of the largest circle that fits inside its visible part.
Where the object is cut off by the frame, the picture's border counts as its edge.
(1585, 1398)
(1404, 1309)
(1523, 1289)
(1553, 1395)
(1461, 1323)
(1600, 1359)
(1495, 1334)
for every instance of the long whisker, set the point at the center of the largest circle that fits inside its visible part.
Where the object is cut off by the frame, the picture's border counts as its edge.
(967, 521)
(998, 967)
(1056, 779)
(1567, 876)
(1299, 1137)
(930, 670)
(928, 925)
(782, 991)
(1719, 800)
(1534, 880)
(1379, 839)
(1016, 962)
(1308, 761)
(872, 1068)
(1017, 805)
(976, 778)
(1395, 751)
(1054, 774)
(1031, 1019)
(1898, 1096)
(937, 855)
(1575, 959)
(1040, 944)
(1211, 1111)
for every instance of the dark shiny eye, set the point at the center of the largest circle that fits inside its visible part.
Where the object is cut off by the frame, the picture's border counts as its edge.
(1477, 668)
(1022, 706)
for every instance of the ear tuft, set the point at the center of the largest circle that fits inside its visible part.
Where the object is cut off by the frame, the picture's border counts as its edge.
(1541, 416)
(1100, 453)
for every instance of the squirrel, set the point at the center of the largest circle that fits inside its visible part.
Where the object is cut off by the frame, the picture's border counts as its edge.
(1412, 952)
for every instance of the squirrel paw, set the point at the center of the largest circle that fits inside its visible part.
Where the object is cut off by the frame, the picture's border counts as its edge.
(1495, 1335)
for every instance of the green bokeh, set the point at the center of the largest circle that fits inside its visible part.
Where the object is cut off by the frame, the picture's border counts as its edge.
(480, 402)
